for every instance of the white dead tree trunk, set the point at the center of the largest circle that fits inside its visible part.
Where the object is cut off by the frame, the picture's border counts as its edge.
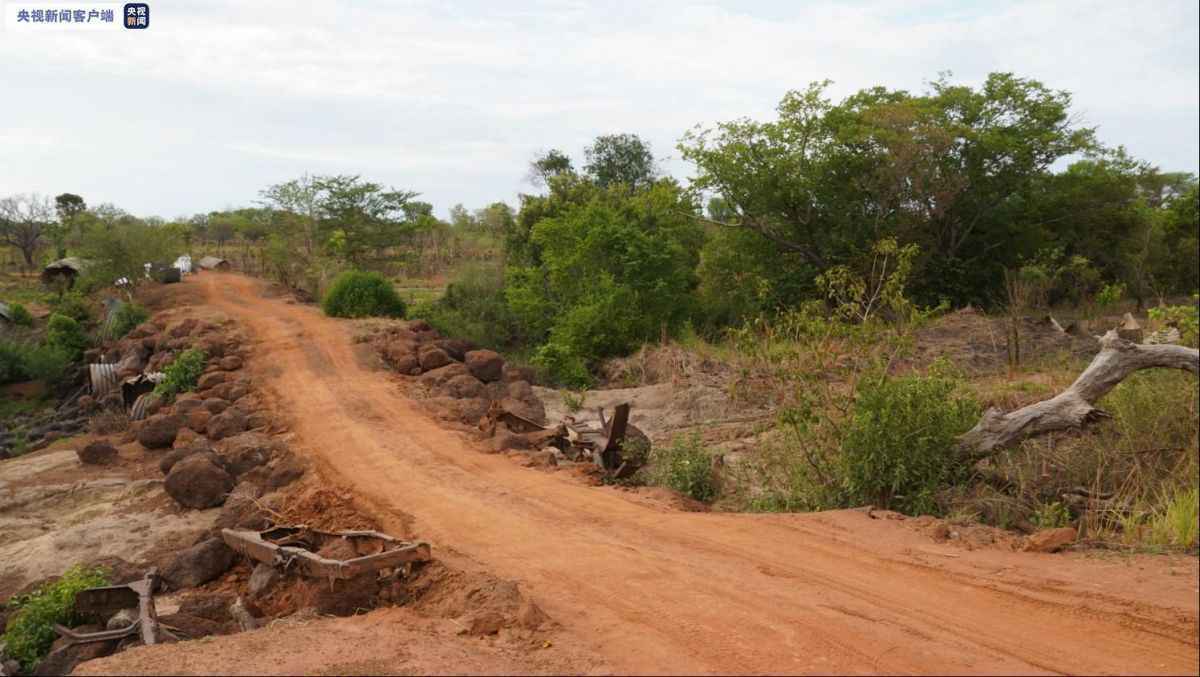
(1075, 406)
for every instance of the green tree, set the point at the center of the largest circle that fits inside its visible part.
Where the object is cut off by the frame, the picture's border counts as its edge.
(69, 206)
(553, 162)
(616, 269)
(620, 159)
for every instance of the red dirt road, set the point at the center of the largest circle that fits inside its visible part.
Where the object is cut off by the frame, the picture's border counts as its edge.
(653, 590)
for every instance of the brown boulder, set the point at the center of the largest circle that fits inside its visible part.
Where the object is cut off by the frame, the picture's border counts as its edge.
(438, 378)
(246, 451)
(196, 482)
(143, 330)
(226, 424)
(215, 405)
(231, 363)
(464, 386)
(345, 597)
(417, 326)
(199, 564)
(210, 380)
(243, 509)
(100, 452)
(513, 372)
(431, 357)
(1050, 540)
(284, 471)
(197, 419)
(521, 390)
(187, 403)
(455, 348)
(237, 391)
(183, 328)
(158, 432)
(485, 365)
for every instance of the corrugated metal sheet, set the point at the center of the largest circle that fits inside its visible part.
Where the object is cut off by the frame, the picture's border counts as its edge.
(103, 378)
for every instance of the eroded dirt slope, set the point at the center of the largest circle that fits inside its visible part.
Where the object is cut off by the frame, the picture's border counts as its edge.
(655, 590)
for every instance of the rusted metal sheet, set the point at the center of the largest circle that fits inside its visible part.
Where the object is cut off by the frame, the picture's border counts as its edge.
(105, 601)
(296, 546)
(498, 415)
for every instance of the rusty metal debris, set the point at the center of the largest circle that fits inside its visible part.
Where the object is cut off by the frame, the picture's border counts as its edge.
(296, 546)
(106, 601)
(617, 447)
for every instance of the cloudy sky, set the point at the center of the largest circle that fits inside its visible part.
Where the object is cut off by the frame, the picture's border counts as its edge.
(220, 98)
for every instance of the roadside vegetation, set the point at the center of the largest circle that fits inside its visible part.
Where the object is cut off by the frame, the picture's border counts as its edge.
(808, 251)
(30, 631)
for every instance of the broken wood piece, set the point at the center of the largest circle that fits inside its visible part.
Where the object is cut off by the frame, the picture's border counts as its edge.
(1075, 406)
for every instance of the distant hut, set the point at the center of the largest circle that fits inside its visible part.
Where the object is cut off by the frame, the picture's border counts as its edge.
(64, 272)
(213, 263)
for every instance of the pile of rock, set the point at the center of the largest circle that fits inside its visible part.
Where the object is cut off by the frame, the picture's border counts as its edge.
(462, 381)
(217, 437)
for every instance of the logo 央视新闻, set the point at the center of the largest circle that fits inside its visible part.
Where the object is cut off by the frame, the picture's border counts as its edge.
(137, 15)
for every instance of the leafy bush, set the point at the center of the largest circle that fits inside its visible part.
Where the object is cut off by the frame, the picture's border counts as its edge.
(128, 316)
(66, 334)
(686, 467)
(1051, 516)
(31, 630)
(12, 362)
(182, 374)
(72, 304)
(49, 364)
(358, 293)
(25, 362)
(899, 447)
(20, 315)
(474, 308)
(608, 270)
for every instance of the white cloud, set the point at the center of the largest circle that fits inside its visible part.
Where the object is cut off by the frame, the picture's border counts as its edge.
(451, 100)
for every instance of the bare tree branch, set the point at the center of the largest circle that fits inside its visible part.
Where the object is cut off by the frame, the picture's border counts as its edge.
(1075, 406)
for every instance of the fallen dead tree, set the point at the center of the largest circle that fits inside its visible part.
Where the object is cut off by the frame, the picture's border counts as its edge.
(1075, 407)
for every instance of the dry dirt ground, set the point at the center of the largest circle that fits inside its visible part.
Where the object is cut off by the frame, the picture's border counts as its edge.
(638, 587)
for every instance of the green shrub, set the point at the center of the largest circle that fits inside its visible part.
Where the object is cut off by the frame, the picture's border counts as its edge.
(899, 447)
(474, 308)
(20, 315)
(560, 364)
(358, 293)
(1051, 516)
(49, 364)
(73, 305)
(25, 362)
(182, 374)
(128, 316)
(12, 362)
(30, 631)
(686, 467)
(66, 334)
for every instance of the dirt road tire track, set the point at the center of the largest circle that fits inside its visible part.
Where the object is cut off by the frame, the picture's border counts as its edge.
(652, 590)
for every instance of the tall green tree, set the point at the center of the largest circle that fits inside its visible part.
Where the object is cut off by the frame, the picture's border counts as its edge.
(620, 159)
